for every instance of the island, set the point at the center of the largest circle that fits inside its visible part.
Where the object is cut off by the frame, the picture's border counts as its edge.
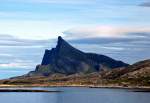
(65, 65)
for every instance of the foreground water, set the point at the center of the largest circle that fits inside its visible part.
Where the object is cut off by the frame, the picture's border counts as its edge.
(77, 95)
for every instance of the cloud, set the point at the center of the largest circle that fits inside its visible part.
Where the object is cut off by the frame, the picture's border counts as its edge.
(104, 32)
(127, 44)
(21, 53)
(99, 40)
(145, 4)
(14, 65)
(88, 32)
(109, 35)
(8, 40)
(24, 53)
(17, 63)
(5, 55)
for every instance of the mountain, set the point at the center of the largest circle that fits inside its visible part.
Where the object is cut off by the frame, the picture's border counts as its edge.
(65, 59)
(68, 66)
(136, 75)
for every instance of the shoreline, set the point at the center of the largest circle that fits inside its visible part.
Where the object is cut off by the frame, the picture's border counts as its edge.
(84, 86)
(27, 90)
(22, 88)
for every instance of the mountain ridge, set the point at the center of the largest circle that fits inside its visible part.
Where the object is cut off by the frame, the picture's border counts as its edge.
(66, 59)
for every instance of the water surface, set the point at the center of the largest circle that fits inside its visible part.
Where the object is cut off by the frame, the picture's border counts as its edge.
(77, 95)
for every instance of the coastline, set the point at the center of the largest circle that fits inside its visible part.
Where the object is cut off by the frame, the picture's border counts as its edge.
(27, 90)
(84, 86)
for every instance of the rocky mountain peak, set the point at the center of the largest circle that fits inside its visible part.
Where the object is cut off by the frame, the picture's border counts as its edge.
(62, 44)
(60, 40)
(66, 59)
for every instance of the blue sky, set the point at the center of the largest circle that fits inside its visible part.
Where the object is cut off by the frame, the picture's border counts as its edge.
(117, 28)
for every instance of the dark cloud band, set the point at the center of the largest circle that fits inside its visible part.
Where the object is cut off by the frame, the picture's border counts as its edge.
(145, 4)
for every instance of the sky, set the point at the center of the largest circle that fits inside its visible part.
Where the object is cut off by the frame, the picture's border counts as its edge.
(116, 28)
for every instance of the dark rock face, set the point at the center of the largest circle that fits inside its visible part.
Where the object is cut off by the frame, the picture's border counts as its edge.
(66, 59)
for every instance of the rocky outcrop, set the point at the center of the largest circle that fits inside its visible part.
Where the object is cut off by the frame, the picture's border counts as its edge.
(65, 59)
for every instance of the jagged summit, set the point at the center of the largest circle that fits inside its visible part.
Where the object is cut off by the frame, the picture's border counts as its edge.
(62, 44)
(62, 49)
(60, 41)
(65, 59)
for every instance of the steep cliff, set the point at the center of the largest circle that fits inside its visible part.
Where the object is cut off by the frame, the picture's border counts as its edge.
(65, 59)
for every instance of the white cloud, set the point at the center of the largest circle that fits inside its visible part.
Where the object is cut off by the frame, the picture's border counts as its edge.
(104, 32)
(14, 65)
(18, 63)
(5, 55)
(11, 41)
(21, 53)
(113, 48)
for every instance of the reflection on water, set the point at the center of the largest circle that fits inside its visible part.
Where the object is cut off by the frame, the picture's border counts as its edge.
(77, 95)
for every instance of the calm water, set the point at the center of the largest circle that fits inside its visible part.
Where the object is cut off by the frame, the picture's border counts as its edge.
(77, 95)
